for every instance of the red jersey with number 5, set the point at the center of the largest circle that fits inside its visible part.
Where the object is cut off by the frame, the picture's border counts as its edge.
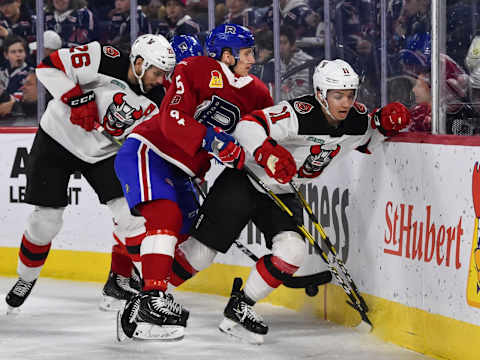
(203, 91)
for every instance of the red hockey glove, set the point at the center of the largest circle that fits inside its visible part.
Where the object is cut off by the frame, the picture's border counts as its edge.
(276, 160)
(83, 107)
(224, 147)
(391, 118)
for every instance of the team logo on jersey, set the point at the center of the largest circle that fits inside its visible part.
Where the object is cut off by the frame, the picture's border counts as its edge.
(183, 47)
(317, 160)
(216, 80)
(110, 51)
(176, 100)
(120, 115)
(302, 107)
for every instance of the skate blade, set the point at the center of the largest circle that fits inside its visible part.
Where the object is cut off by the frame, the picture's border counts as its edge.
(147, 331)
(109, 303)
(238, 332)
(121, 336)
(13, 311)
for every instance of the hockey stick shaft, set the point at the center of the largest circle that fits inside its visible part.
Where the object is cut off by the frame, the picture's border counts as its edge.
(295, 282)
(354, 301)
(329, 244)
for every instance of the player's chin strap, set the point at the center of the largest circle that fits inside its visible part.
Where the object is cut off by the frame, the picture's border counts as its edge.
(308, 282)
(139, 77)
(335, 264)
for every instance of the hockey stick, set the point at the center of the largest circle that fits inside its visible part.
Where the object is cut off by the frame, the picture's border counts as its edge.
(331, 248)
(332, 262)
(309, 282)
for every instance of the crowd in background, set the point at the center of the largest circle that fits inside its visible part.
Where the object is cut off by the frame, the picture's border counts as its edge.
(355, 36)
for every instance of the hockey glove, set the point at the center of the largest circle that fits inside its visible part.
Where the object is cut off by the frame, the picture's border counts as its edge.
(83, 107)
(276, 160)
(224, 147)
(391, 118)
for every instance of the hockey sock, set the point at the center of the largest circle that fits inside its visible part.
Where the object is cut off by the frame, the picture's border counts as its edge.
(266, 276)
(163, 223)
(121, 261)
(31, 258)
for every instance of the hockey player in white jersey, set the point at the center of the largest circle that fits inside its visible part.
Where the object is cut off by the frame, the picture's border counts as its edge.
(95, 89)
(295, 139)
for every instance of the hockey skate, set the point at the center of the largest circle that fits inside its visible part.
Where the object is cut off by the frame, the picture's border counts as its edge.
(18, 294)
(118, 289)
(152, 315)
(241, 321)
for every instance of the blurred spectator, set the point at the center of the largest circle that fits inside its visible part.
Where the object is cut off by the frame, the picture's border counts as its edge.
(355, 26)
(415, 58)
(198, 10)
(27, 106)
(461, 17)
(51, 42)
(263, 53)
(71, 20)
(414, 18)
(101, 9)
(176, 22)
(154, 10)
(299, 82)
(460, 115)
(238, 12)
(297, 14)
(422, 110)
(472, 60)
(118, 31)
(16, 18)
(13, 73)
(474, 88)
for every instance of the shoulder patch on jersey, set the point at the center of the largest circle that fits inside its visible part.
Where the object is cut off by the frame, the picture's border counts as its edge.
(361, 109)
(302, 107)
(110, 51)
(176, 100)
(216, 80)
(118, 83)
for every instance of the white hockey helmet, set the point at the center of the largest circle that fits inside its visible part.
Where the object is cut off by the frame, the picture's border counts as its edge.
(333, 75)
(154, 50)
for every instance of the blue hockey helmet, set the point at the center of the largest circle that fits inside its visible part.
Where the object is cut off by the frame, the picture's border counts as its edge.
(228, 36)
(186, 46)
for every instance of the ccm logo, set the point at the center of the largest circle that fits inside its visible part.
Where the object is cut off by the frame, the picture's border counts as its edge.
(82, 100)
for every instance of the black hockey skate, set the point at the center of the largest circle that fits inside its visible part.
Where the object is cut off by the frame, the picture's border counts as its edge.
(19, 293)
(117, 289)
(152, 315)
(136, 281)
(240, 320)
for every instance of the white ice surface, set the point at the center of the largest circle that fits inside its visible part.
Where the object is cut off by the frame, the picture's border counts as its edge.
(61, 320)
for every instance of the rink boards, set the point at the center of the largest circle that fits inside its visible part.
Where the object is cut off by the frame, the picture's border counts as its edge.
(402, 218)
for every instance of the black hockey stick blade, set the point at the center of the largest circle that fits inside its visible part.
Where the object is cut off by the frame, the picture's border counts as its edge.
(299, 282)
(365, 325)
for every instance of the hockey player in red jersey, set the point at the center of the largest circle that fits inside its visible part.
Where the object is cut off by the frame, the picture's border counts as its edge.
(299, 139)
(155, 165)
(95, 87)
